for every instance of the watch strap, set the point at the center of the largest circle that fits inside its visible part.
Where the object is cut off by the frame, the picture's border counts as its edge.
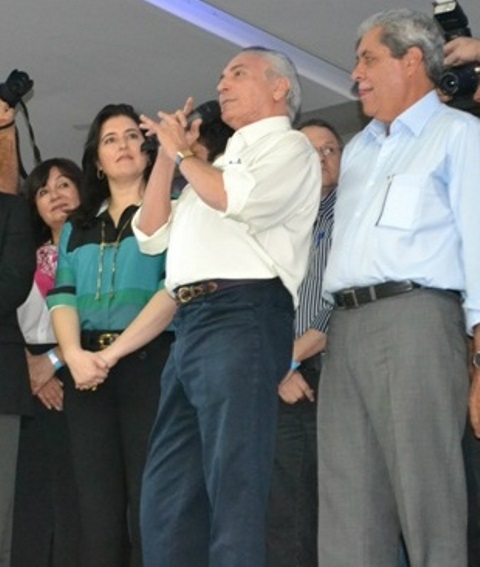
(183, 154)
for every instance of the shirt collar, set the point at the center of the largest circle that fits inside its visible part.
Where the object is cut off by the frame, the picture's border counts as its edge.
(253, 132)
(103, 207)
(414, 118)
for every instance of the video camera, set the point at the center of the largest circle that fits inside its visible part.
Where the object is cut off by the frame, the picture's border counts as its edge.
(17, 85)
(459, 81)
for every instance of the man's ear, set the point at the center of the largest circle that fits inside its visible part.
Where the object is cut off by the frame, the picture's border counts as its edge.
(413, 59)
(281, 88)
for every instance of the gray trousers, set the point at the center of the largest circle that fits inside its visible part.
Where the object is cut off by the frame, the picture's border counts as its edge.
(9, 435)
(391, 415)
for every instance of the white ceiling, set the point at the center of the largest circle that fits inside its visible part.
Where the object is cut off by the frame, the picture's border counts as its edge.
(83, 54)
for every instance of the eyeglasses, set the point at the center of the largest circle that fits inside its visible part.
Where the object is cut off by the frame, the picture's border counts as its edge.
(326, 151)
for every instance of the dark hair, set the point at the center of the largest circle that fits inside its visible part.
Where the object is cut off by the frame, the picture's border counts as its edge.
(37, 179)
(322, 124)
(214, 136)
(97, 190)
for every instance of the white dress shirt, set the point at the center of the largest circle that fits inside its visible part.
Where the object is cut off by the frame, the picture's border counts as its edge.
(272, 176)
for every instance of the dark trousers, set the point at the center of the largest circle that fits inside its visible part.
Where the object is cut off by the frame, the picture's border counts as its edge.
(208, 473)
(109, 431)
(293, 508)
(45, 523)
(9, 437)
(471, 452)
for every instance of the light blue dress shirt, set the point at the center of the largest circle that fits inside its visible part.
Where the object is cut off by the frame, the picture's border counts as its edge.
(408, 204)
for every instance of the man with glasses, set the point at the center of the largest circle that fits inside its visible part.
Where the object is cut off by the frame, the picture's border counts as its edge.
(292, 520)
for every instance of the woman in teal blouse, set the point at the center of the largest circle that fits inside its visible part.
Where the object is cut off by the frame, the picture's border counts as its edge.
(103, 281)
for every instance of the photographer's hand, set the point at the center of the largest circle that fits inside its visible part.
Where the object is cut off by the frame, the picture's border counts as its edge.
(7, 115)
(461, 50)
(8, 151)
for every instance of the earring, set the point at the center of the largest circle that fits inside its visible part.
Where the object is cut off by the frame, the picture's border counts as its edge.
(100, 174)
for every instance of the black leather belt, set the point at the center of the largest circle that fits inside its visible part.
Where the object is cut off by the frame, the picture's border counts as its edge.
(98, 340)
(356, 296)
(186, 293)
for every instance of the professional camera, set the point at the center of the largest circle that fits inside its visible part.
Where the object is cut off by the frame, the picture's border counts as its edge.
(15, 87)
(459, 81)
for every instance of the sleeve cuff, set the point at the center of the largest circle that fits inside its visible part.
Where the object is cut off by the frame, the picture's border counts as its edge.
(155, 243)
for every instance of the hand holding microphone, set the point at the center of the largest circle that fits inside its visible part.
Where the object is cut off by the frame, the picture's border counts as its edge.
(208, 112)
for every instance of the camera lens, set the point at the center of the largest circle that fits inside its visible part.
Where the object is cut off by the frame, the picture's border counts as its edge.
(459, 81)
(449, 83)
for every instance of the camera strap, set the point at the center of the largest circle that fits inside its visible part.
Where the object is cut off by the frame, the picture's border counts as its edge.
(36, 151)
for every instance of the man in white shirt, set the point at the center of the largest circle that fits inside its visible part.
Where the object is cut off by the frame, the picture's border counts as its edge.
(238, 241)
(394, 388)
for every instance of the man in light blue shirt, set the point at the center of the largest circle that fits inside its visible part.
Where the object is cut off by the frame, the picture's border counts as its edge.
(405, 252)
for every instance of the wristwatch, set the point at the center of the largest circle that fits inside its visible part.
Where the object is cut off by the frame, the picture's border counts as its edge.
(476, 359)
(183, 154)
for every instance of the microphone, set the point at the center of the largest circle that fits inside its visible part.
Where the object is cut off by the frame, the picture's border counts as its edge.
(208, 111)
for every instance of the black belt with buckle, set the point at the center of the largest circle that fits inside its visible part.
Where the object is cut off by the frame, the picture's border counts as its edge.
(186, 293)
(356, 296)
(98, 340)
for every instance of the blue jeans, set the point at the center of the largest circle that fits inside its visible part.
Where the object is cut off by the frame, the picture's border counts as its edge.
(207, 477)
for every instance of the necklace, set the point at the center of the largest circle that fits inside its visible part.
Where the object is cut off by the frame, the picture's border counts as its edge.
(115, 245)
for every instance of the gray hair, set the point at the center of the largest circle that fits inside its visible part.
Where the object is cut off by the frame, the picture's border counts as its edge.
(282, 66)
(403, 28)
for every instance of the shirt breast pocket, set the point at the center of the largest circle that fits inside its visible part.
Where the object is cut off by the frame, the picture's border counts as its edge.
(402, 202)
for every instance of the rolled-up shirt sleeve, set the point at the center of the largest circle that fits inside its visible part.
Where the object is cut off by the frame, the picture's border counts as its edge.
(157, 242)
(260, 193)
